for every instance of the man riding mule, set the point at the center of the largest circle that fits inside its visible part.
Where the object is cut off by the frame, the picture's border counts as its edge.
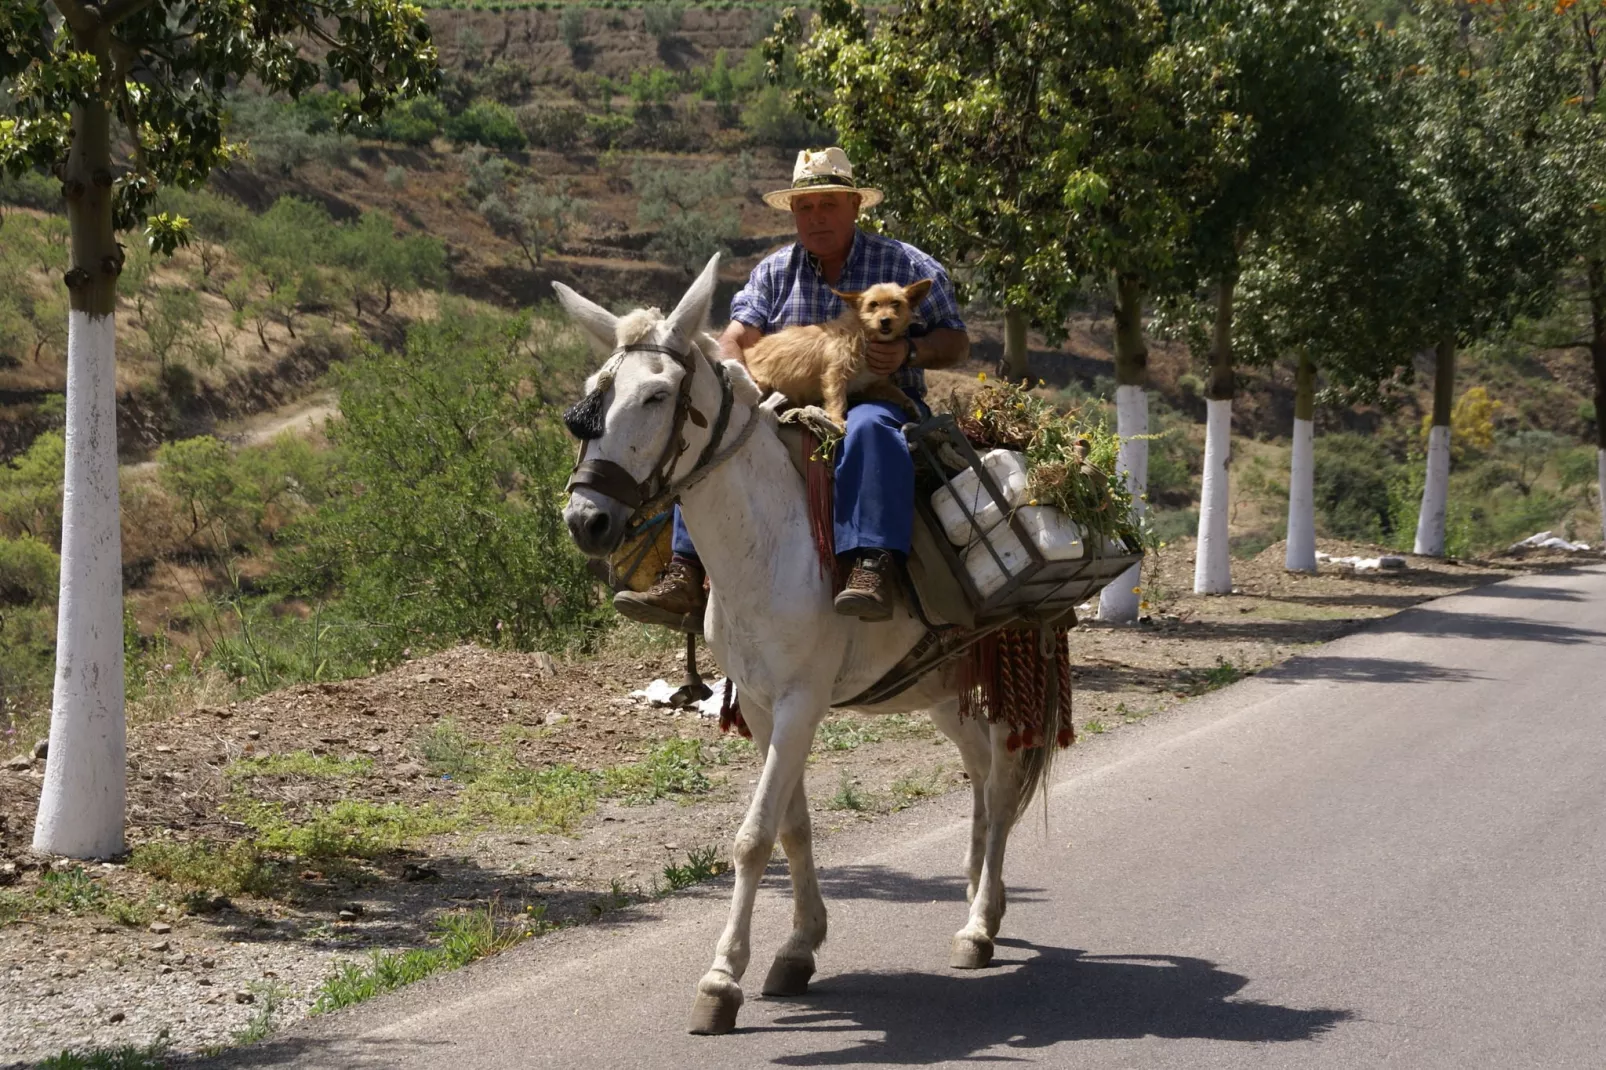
(665, 418)
(874, 493)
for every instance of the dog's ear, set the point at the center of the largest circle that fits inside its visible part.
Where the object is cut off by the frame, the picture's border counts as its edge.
(918, 291)
(851, 298)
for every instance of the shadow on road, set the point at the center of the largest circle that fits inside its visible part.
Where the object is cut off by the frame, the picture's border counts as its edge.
(890, 885)
(1366, 671)
(1431, 621)
(1035, 997)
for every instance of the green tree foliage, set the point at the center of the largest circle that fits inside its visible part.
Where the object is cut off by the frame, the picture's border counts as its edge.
(444, 519)
(692, 213)
(162, 68)
(489, 123)
(1026, 144)
(30, 490)
(536, 218)
(378, 259)
(29, 571)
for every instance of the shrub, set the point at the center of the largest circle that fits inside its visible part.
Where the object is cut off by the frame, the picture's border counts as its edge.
(31, 189)
(572, 25)
(29, 571)
(1352, 487)
(489, 123)
(770, 120)
(693, 212)
(552, 126)
(30, 490)
(415, 122)
(662, 21)
(606, 130)
(447, 520)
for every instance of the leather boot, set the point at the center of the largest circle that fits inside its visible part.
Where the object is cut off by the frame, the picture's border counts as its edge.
(676, 601)
(868, 594)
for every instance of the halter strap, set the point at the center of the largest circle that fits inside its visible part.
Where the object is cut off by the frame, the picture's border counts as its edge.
(658, 489)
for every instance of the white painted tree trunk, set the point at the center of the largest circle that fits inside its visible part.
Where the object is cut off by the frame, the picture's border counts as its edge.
(1212, 567)
(1600, 460)
(1301, 556)
(1119, 601)
(1435, 494)
(81, 804)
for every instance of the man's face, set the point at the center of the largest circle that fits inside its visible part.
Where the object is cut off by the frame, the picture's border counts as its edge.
(825, 222)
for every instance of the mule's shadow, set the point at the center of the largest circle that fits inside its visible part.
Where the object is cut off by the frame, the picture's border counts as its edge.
(1035, 997)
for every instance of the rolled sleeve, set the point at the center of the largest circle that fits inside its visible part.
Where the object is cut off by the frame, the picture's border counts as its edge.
(753, 304)
(940, 309)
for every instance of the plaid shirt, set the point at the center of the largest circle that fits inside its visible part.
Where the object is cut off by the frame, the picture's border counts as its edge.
(786, 289)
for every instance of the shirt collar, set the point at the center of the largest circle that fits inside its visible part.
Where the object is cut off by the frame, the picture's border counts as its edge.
(847, 265)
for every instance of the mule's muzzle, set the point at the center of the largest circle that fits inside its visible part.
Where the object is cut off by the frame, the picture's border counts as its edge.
(596, 522)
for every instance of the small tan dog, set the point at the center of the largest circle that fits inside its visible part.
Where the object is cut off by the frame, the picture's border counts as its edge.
(825, 363)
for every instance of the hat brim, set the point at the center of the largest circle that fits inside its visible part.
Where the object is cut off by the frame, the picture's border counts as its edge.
(782, 198)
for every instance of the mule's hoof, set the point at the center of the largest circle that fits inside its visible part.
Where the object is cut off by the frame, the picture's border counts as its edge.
(788, 977)
(713, 1015)
(970, 954)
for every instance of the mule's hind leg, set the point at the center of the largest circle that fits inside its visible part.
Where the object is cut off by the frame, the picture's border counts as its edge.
(970, 735)
(794, 963)
(973, 945)
(719, 993)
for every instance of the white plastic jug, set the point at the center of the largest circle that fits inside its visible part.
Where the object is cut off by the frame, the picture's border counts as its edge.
(1008, 470)
(1054, 534)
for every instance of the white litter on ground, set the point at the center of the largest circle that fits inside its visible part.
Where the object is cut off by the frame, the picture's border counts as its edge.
(1549, 540)
(659, 692)
(1364, 564)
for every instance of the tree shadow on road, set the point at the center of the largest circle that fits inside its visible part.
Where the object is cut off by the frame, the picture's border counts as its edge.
(1035, 997)
(1366, 671)
(1439, 622)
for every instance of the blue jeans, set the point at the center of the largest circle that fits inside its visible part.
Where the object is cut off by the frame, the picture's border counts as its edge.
(874, 505)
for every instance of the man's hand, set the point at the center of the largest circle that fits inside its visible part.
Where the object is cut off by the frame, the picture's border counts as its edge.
(884, 358)
(737, 339)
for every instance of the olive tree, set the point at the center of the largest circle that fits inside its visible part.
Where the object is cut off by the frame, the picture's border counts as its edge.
(117, 99)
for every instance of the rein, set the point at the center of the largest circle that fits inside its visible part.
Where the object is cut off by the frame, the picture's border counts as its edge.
(651, 495)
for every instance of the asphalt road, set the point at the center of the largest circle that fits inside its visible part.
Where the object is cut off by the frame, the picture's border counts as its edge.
(1389, 853)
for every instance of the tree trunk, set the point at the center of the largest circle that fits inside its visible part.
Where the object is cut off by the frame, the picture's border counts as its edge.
(1436, 487)
(1120, 600)
(1212, 568)
(1301, 555)
(81, 804)
(1015, 368)
(1597, 352)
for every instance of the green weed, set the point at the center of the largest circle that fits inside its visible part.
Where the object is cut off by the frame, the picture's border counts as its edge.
(74, 891)
(847, 795)
(127, 1057)
(270, 996)
(301, 763)
(1095, 727)
(702, 863)
(351, 828)
(845, 733)
(1224, 672)
(460, 939)
(230, 868)
(911, 787)
(449, 751)
(674, 768)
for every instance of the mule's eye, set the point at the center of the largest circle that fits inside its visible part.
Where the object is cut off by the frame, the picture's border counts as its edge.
(657, 399)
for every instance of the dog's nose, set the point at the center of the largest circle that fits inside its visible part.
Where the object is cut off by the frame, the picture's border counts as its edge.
(886, 325)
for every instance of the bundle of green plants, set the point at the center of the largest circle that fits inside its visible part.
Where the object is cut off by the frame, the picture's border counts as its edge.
(1070, 459)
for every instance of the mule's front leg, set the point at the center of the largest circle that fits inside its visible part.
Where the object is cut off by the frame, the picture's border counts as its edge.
(973, 945)
(719, 993)
(794, 963)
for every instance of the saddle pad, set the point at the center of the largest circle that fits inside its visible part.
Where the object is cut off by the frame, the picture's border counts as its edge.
(940, 594)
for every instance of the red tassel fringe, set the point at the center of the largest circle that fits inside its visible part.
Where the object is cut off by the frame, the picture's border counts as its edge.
(730, 712)
(1004, 679)
(821, 481)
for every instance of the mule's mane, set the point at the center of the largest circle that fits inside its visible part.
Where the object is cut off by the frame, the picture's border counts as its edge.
(637, 326)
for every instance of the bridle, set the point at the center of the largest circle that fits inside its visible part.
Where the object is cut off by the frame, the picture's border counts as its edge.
(651, 495)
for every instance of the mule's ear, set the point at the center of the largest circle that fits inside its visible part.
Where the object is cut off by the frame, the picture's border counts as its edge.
(850, 298)
(691, 315)
(917, 292)
(600, 324)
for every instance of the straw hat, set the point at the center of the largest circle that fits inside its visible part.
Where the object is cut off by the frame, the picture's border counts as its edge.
(818, 171)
